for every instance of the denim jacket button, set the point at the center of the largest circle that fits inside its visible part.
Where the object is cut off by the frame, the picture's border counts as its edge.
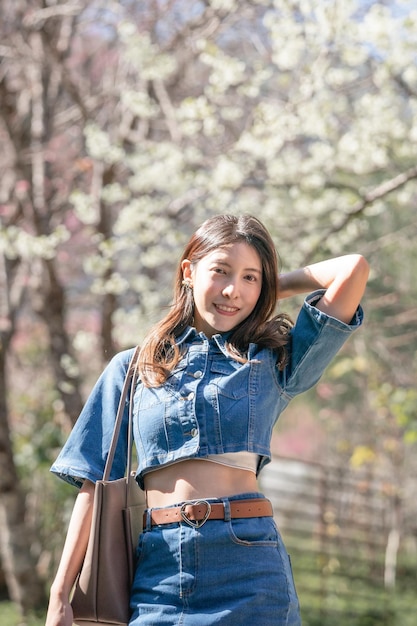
(191, 395)
(194, 432)
(198, 374)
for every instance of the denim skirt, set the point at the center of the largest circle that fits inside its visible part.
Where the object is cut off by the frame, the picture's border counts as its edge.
(231, 572)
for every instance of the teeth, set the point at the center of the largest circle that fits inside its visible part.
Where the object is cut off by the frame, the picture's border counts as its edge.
(227, 309)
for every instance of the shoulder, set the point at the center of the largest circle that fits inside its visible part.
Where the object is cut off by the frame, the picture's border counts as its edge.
(121, 359)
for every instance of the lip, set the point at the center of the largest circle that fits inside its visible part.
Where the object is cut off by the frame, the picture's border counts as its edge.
(224, 309)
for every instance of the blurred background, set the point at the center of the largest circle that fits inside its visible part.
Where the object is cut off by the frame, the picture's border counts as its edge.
(123, 125)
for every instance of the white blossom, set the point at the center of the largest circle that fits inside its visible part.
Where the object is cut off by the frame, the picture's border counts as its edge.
(115, 284)
(100, 147)
(84, 207)
(140, 103)
(223, 5)
(225, 72)
(18, 243)
(145, 56)
(114, 193)
(85, 341)
(227, 174)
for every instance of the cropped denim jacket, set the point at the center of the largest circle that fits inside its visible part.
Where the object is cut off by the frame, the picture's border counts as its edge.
(210, 404)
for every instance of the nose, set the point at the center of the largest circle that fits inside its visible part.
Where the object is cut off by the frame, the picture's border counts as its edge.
(230, 290)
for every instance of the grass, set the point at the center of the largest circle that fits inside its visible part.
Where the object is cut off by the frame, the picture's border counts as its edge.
(11, 617)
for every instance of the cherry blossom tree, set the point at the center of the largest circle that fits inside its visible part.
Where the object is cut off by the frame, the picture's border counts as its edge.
(124, 124)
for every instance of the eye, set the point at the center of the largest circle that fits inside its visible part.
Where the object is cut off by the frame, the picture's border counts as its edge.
(251, 278)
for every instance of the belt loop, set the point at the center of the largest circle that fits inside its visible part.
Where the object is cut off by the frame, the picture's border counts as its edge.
(147, 520)
(227, 512)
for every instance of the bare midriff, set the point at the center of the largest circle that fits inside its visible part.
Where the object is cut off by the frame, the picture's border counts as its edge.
(193, 480)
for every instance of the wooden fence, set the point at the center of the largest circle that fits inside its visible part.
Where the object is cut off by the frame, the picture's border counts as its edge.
(352, 538)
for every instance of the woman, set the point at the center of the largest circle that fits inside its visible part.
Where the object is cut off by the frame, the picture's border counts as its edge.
(215, 374)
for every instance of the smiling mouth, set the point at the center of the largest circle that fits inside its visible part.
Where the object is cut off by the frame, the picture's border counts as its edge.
(226, 309)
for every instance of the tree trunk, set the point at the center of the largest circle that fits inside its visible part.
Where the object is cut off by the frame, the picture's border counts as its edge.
(50, 306)
(18, 562)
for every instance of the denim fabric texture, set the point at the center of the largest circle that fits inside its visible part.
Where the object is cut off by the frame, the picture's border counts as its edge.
(211, 403)
(233, 572)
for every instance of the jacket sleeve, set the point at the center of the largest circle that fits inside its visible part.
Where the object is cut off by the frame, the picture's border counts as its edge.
(85, 451)
(315, 340)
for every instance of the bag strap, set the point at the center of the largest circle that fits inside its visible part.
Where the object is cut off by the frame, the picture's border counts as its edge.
(134, 375)
(130, 381)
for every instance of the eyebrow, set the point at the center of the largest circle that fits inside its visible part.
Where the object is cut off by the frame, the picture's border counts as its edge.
(247, 269)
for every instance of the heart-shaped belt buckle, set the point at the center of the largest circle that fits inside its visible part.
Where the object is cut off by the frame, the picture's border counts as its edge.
(199, 522)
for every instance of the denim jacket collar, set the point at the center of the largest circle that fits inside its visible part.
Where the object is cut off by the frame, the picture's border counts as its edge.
(190, 334)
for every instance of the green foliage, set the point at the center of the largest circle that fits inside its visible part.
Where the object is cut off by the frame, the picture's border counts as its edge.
(401, 402)
(336, 597)
(10, 616)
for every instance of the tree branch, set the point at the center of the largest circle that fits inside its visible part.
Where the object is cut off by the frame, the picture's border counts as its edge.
(382, 190)
(36, 19)
(168, 110)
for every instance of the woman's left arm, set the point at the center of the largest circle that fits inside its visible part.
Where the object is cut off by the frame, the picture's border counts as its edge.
(344, 279)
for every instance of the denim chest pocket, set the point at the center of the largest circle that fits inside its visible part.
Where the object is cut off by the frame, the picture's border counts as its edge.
(230, 380)
(153, 396)
(165, 394)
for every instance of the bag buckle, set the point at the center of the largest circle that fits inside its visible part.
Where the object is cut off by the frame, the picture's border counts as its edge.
(195, 523)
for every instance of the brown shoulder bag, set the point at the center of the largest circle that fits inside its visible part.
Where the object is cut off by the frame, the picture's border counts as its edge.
(102, 590)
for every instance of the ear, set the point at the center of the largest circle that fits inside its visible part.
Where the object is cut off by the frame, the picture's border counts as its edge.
(187, 272)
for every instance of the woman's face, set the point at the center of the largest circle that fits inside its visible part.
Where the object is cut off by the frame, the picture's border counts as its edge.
(226, 283)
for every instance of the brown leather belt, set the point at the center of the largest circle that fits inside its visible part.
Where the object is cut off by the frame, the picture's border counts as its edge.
(197, 512)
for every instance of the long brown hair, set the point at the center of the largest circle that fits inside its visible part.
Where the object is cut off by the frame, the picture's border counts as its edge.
(160, 354)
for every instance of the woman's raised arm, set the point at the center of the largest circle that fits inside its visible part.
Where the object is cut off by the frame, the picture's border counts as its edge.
(344, 279)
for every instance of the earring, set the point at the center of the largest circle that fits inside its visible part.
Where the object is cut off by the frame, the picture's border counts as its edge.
(187, 283)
